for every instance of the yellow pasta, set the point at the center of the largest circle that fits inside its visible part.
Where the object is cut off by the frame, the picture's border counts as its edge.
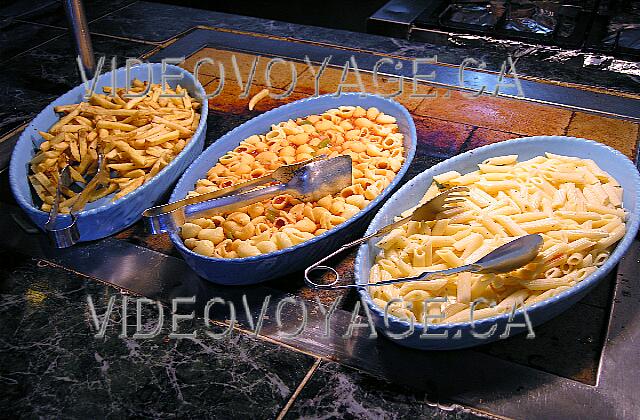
(369, 136)
(573, 204)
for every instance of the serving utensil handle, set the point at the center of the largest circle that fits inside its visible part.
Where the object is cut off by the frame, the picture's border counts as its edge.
(232, 202)
(317, 266)
(333, 285)
(68, 235)
(169, 217)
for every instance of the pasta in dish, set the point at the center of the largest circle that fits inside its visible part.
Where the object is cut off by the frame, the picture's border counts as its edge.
(574, 205)
(369, 136)
(139, 137)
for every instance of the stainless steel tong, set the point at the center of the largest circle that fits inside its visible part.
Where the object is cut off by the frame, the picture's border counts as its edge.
(504, 259)
(66, 236)
(445, 201)
(307, 181)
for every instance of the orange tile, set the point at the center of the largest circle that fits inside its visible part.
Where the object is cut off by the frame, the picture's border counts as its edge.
(410, 99)
(619, 134)
(269, 103)
(440, 138)
(202, 77)
(281, 74)
(484, 136)
(501, 114)
(190, 62)
(328, 81)
(400, 90)
(205, 80)
(331, 78)
(229, 99)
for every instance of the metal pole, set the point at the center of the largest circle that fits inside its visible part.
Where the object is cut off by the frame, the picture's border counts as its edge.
(78, 24)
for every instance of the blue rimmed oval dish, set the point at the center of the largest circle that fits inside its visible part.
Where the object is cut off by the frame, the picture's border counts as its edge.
(103, 217)
(251, 270)
(461, 335)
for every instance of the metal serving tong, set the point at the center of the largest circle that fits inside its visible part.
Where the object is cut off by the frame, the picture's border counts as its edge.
(503, 259)
(168, 217)
(308, 181)
(428, 211)
(67, 236)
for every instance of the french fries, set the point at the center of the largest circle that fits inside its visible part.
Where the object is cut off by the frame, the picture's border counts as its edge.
(139, 136)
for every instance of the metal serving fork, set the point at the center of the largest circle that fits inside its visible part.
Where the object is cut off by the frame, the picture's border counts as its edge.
(445, 201)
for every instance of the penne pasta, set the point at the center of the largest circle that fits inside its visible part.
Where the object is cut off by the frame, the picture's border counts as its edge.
(573, 204)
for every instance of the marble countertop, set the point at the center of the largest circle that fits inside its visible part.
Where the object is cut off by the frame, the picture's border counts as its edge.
(52, 366)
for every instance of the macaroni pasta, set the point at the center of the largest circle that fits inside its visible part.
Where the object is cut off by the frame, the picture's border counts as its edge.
(369, 136)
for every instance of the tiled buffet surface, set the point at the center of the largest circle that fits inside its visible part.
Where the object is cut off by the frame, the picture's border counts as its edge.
(50, 365)
(447, 123)
(464, 121)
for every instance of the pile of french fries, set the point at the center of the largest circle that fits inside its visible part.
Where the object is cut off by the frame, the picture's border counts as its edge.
(139, 130)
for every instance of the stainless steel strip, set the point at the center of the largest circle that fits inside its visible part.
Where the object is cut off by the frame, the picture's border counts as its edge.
(619, 375)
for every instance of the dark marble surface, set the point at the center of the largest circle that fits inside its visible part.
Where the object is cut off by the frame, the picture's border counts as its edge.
(169, 20)
(11, 9)
(53, 13)
(30, 81)
(33, 79)
(304, 13)
(18, 37)
(340, 392)
(52, 366)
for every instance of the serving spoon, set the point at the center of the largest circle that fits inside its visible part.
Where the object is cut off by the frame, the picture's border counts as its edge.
(503, 259)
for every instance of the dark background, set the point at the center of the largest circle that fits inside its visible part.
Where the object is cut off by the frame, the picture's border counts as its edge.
(339, 14)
